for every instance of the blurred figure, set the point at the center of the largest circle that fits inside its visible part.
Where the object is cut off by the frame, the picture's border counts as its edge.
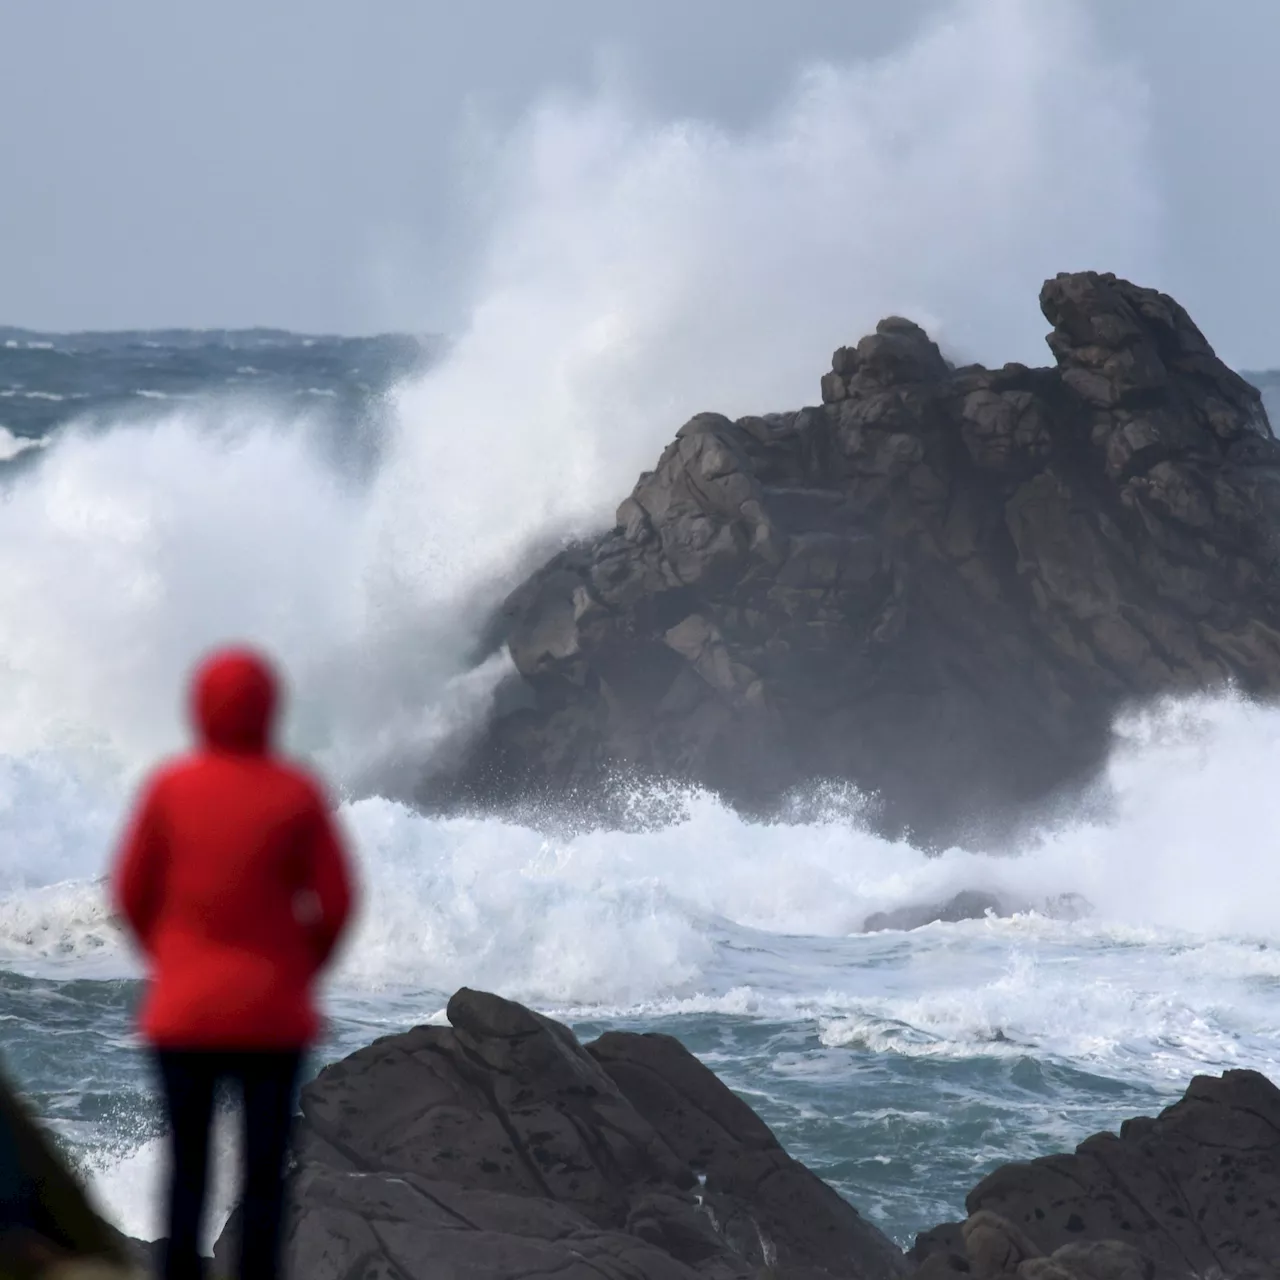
(236, 884)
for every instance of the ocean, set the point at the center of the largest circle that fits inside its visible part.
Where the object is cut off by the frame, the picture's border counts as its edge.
(357, 504)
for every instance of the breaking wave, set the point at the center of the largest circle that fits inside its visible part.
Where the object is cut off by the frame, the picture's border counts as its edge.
(637, 270)
(712, 903)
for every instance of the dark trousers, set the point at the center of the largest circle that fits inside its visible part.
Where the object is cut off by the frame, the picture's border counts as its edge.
(266, 1081)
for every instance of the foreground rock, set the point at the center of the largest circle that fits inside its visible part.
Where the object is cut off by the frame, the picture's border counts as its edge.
(939, 585)
(47, 1226)
(500, 1147)
(1192, 1193)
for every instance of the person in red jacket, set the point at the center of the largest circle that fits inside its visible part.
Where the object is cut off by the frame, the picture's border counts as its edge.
(236, 884)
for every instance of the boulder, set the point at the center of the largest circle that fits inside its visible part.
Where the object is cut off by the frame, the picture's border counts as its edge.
(1193, 1192)
(968, 904)
(994, 1246)
(940, 585)
(499, 1146)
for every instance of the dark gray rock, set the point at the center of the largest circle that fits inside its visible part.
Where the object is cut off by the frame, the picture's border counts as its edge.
(1096, 1260)
(968, 904)
(975, 904)
(747, 1178)
(500, 1147)
(939, 585)
(994, 1246)
(945, 1240)
(1194, 1192)
(46, 1218)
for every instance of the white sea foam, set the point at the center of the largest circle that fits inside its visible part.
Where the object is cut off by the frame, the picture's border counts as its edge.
(711, 903)
(12, 445)
(714, 917)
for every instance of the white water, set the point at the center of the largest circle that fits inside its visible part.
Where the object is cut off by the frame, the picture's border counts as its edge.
(11, 446)
(1175, 970)
(664, 919)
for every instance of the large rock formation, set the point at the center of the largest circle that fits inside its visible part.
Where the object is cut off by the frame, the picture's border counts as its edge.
(502, 1149)
(940, 585)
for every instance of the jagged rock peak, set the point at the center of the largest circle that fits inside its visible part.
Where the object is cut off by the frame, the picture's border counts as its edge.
(897, 354)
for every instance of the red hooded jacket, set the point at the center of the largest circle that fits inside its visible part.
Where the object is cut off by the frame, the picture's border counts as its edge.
(233, 877)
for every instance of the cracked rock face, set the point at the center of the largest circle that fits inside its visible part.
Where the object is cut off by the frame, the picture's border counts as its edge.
(500, 1147)
(939, 585)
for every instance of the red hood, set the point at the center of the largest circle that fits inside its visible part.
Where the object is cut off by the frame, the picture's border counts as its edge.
(233, 698)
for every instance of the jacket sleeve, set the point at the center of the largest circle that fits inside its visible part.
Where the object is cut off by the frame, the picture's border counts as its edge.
(330, 882)
(137, 879)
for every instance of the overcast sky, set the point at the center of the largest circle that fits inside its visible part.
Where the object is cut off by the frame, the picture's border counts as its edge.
(315, 164)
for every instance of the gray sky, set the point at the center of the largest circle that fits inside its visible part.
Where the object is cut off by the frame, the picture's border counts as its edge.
(308, 163)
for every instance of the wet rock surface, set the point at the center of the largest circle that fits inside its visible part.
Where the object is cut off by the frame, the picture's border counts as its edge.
(939, 585)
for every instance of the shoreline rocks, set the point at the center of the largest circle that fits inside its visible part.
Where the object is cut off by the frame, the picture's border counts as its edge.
(500, 1148)
(1193, 1192)
(938, 586)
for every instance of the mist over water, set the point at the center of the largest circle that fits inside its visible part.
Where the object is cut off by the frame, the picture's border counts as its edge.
(615, 919)
(638, 270)
(746, 940)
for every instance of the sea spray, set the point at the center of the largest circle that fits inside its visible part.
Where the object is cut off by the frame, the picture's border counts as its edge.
(637, 270)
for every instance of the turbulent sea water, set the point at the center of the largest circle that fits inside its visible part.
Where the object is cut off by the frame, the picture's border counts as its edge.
(358, 506)
(161, 489)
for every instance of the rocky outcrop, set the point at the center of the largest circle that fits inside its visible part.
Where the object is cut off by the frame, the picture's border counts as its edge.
(47, 1225)
(939, 585)
(976, 904)
(500, 1147)
(968, 904)
(1194, 1192)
